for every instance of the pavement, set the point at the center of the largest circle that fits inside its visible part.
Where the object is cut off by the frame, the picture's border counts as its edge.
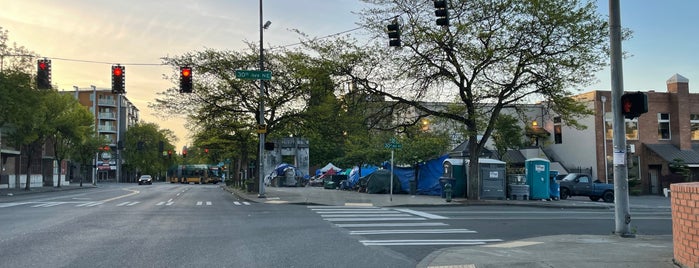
(548, 251)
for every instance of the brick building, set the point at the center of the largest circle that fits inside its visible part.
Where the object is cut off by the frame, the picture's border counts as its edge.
(667, 133)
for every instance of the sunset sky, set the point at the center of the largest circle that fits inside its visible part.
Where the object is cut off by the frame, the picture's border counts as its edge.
(84, 38)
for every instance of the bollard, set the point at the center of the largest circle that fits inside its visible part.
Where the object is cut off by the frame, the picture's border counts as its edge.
(447, 191)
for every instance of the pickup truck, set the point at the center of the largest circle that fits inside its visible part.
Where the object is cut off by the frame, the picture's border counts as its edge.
(577, 184)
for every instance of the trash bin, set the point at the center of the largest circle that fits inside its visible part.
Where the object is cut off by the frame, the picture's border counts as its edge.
(554, 186)
(443, 181)
(518, 191)
(413, 187)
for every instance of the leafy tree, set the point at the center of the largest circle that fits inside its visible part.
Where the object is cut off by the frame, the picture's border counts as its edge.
(142, 153)
(507, 134)
(68, 125)
(494, 54)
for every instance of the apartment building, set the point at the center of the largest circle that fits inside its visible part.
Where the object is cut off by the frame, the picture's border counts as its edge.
(668, 133)
(114, 114)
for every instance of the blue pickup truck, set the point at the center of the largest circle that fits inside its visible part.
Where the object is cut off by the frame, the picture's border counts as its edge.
(577, 184)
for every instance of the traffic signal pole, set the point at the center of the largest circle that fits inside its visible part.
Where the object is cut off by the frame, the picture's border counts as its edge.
(622, 214)
(260, 160)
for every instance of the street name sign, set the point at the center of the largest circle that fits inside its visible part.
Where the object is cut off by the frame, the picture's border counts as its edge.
(253, 74)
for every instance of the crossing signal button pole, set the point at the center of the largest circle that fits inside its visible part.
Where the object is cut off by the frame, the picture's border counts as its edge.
(43, 74)
(185, 79)
(118, 73)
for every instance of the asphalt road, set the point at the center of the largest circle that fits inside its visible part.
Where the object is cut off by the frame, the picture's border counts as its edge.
(173, 225)
(164, 225)
(415, 232)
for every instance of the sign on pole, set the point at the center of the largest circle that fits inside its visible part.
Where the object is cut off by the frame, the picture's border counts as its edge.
(253, 75)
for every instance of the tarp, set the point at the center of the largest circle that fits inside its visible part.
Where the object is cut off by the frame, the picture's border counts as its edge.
(379, 182)
(428, 181)
(355, 175)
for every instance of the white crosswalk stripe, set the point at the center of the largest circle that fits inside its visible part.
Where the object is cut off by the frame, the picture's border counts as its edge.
(127, 204)
(202, 203)
(241, 203)
(395, 221)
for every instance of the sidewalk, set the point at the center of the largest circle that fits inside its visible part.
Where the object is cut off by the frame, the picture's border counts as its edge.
(574, 251)
(4, 191)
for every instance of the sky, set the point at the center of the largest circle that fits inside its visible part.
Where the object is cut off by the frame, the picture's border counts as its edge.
(84, 38)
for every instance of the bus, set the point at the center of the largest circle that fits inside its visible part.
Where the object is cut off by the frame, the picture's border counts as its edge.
(195, 173)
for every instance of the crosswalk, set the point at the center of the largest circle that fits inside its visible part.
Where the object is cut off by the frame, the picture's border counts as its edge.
(408, 227)
(87, 204)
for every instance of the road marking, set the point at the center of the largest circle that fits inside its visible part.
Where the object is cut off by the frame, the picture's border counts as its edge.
(427, 242)
(359, 204)
(392, 214)
(208, 203)
(514, 244)
(394, 224)
(89, 204)
(375, 219)
(160, 203)
(133, 192)
(7, 205)
(128, 204)
(48, 204)
(240, 204)
(454, 266)
(413, 231)
(421, 214)
(199, 203)
(169, 203)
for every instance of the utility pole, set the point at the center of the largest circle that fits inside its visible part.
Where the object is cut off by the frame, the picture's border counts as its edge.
(261, 159)
(622, 215)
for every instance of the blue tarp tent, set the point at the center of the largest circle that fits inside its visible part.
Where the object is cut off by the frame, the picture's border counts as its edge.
(355, 176)
(428, 182)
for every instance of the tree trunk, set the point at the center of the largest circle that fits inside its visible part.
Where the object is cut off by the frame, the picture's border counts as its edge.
(473, 188)
(27, 180)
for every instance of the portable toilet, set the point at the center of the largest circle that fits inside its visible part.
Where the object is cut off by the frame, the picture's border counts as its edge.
(454, 169)
(492, 178)
(537, 173)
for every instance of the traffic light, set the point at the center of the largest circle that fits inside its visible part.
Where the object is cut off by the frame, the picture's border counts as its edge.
(206, 150)
(441, 12)
(43, 74)
(169, 154)
(393, 34)
(118, 73)
(634, 104)
(185, 79)
(184, 152)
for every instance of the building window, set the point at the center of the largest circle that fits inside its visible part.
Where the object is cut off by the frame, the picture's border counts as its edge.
(694, 123)
(557, 132)
(631, 128)
(663, 126)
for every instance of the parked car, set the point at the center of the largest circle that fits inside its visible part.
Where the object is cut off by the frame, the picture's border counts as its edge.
(577, 184)
(145, 179)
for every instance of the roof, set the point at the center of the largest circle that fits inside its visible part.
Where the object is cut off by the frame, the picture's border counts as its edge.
(669, 153)
(677, 78)
(514, 156)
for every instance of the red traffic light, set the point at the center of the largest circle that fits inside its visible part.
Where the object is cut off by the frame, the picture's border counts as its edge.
(206, 150)
(42, 65)
(186, 71)
(186, 79)
(118, 71)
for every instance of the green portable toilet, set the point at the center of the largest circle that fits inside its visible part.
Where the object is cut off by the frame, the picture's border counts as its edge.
(537, 173)
(454, 169)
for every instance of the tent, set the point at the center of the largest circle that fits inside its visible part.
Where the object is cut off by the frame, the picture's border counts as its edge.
(330, 166)
(379, 182)
(355, 175)
(428, 180)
